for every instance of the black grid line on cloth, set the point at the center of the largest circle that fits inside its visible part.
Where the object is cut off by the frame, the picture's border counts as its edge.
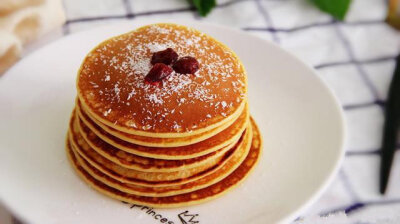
(65, 29)
(355, 106)
(188, 9)
(231, 3)
(128, 8)
(363, 153)
(367, 82)
(196, 16)
(360, 69)
(167, 11)
(368, 61)
(313, 25)
(263, 11)
(346, 44)
(65, 26)
(130, 14)
(347, 185)
(364, 105)
(350, 208)
(369, 152)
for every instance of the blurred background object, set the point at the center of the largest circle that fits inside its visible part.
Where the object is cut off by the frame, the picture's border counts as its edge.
(5, 217)
(22, 21)
(393, 17)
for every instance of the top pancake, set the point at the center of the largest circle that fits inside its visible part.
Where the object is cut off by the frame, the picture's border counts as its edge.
(111, 83)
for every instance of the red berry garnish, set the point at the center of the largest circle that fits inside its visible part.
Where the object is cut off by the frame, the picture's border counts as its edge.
(167, 56)
(157, 73)
(186, 65)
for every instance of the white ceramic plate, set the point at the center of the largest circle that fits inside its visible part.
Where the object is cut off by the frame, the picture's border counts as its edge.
(300, 120)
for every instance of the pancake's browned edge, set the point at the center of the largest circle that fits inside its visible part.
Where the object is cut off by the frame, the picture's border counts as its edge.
(222, 139)
(132, 176)
(196, 197)
(132, 161)
(239, 156)
(166, 135)
(151, 141)
(141, 182)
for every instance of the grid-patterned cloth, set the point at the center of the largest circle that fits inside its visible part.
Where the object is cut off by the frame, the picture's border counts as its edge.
(355, 59)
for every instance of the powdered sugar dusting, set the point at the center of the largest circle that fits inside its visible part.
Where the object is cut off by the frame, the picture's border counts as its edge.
(107, 112)
(116, 71)
(154, 47)
(155, 99)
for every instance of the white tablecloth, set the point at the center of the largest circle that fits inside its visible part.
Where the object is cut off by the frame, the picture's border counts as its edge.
(355, 58)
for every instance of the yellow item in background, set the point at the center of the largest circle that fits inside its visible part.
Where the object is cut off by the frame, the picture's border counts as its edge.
(393, 17)
(22, 21)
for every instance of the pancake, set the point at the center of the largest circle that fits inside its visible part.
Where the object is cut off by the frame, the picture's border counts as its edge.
(150, 178)
(186, 199)
(221, 140)
(112, 89)
(155, 142)
(162, 119)
(140, 163)
(203, 182)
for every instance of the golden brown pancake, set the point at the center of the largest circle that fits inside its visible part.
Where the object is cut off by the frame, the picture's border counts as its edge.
(186, 199)
(132, 161)
(150, 178)
(155, 142)
(203, 182)
(221, 140)
(177, 140)
(112, 89)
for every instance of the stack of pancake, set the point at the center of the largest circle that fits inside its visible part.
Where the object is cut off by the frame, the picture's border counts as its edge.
(183, 142)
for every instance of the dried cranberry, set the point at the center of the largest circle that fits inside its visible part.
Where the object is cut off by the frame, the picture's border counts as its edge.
(158, 73)
(186, 65)
(167, 56)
